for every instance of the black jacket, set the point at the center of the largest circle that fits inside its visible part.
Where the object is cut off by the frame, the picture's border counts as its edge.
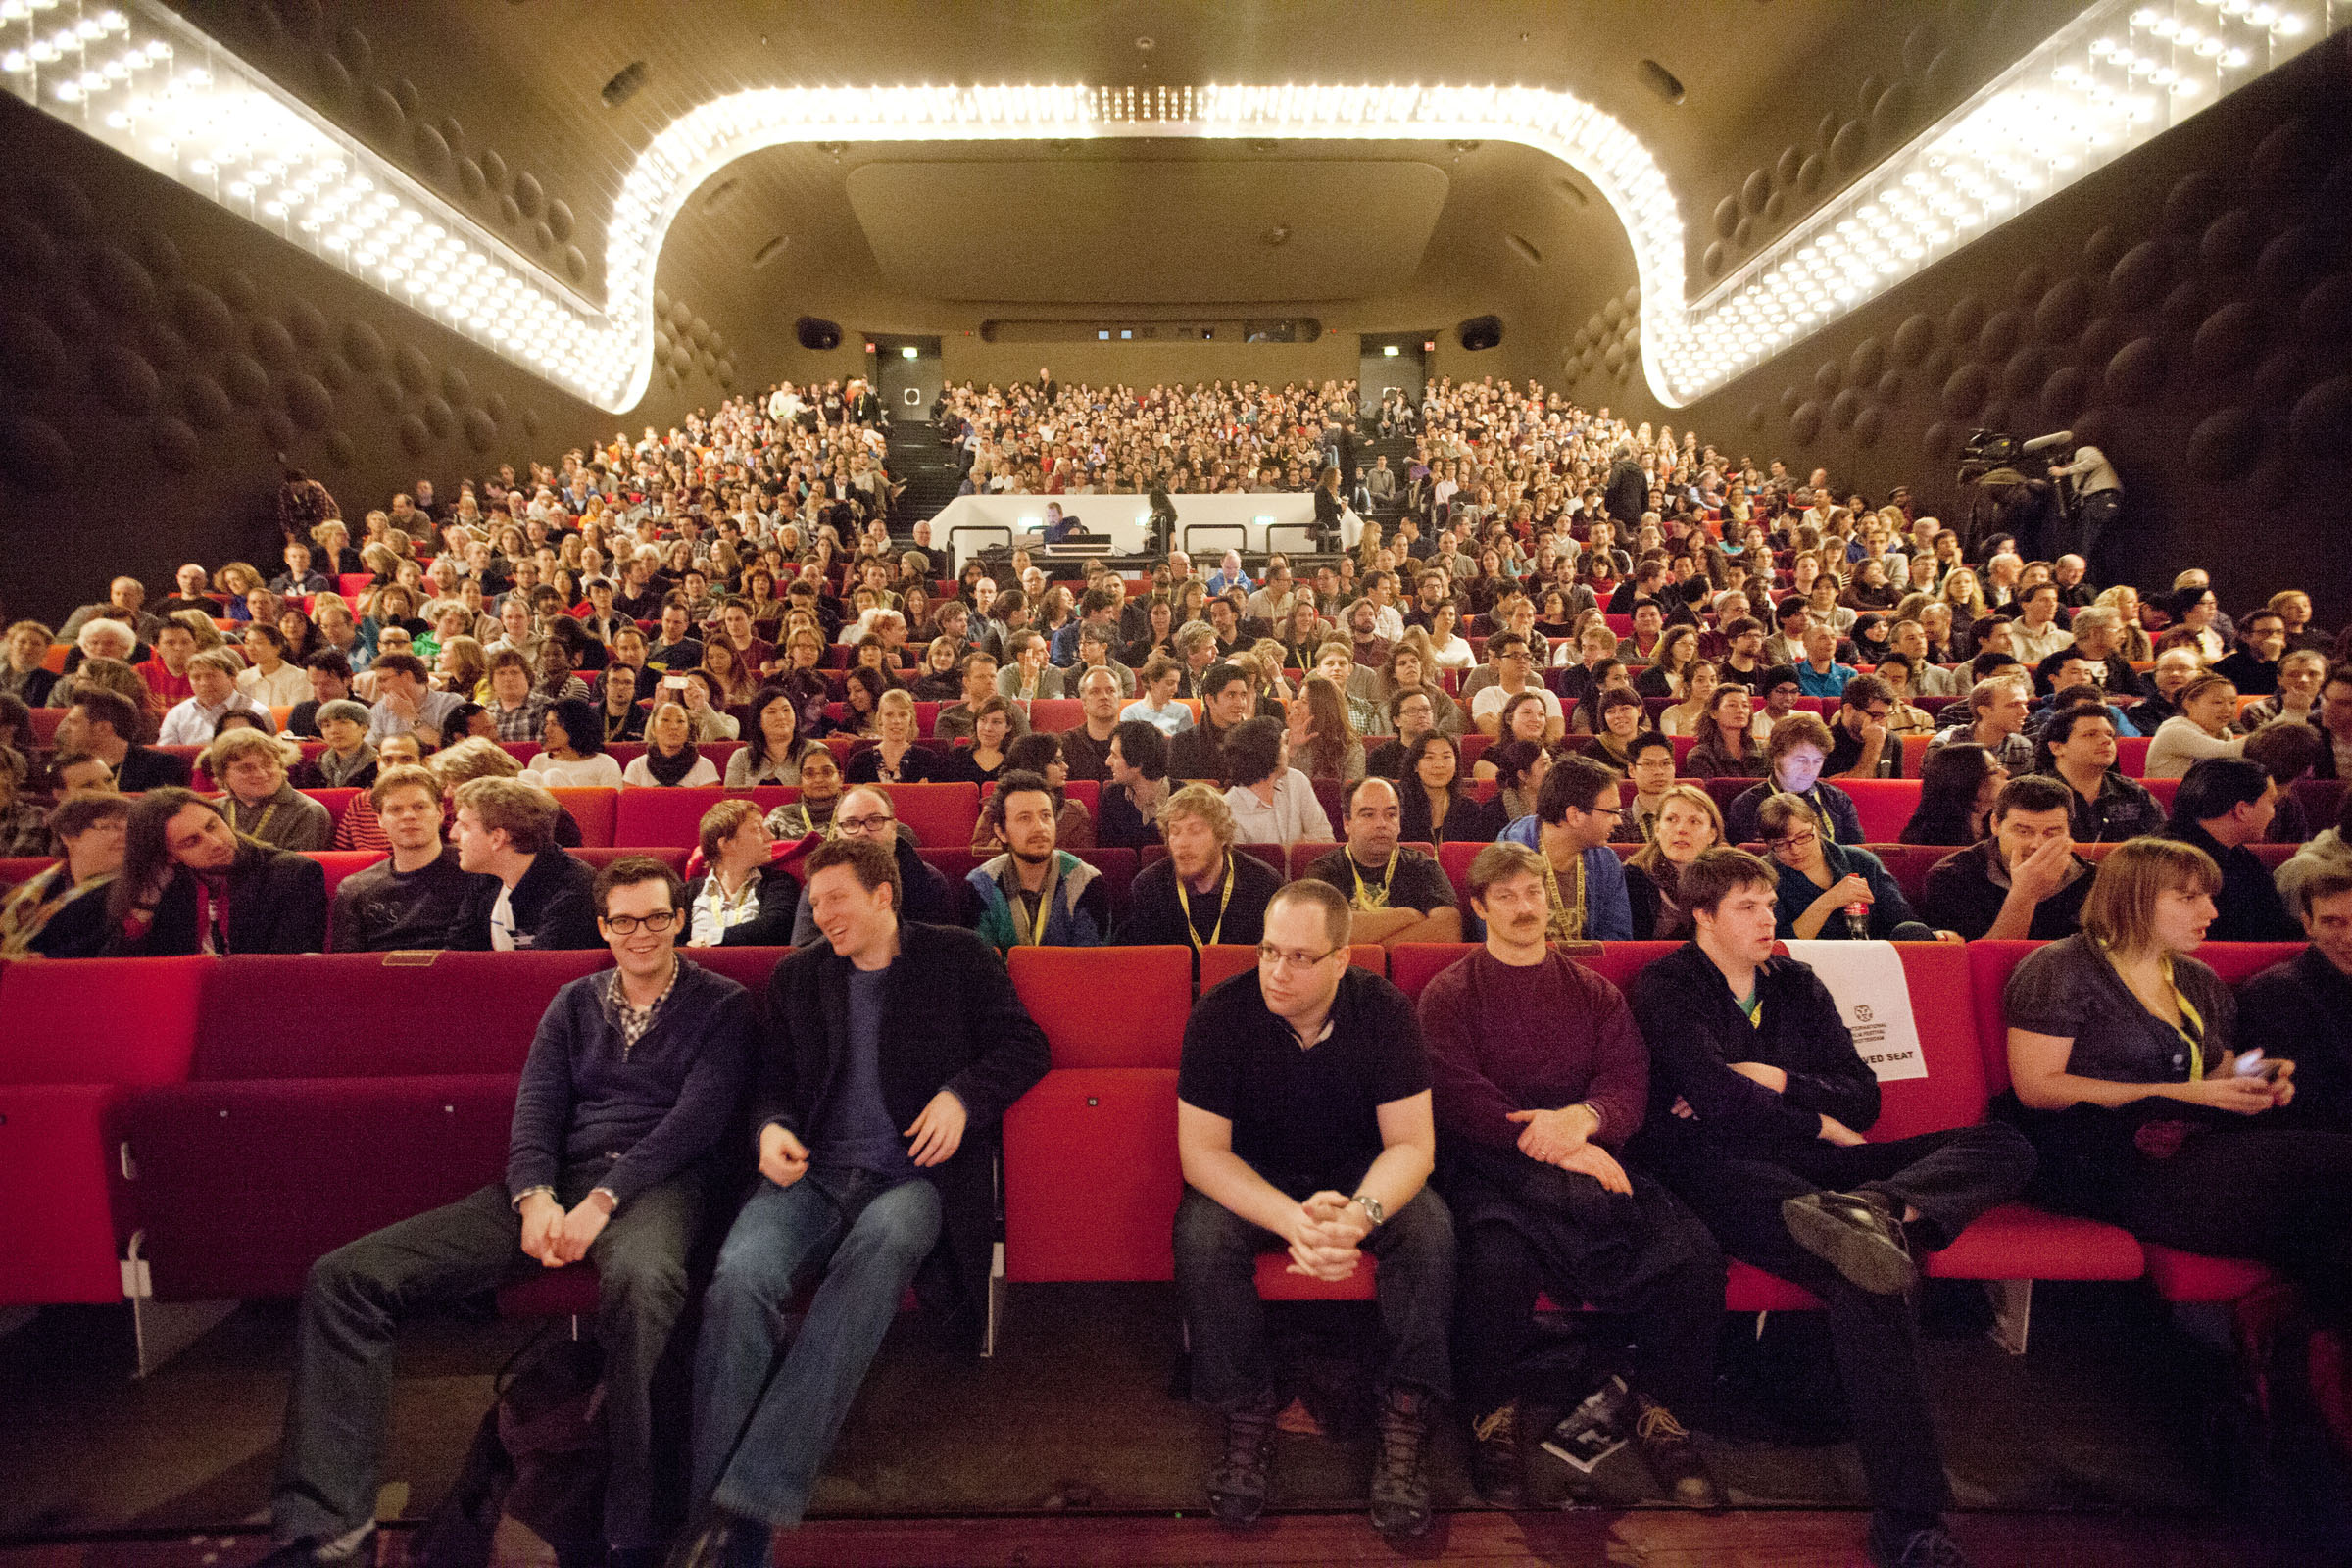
(277, 903)
(146, 768)
(2299, 1011)
(771, 927)
(1156, 918)
(554, 908)
(2249, 907)
(950, 1020)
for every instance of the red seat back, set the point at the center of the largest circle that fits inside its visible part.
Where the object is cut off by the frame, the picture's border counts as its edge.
(1107, 1007)
(942, 815)
(101, 1020)
(594, 808)
(1885, 805)
(1056, 713)
(1990, 966)
(749, 967)
(22, 868)
(670, 855)
(1909, 865)
(674, 817)
(2238, 962)
(1952, 1093)
(2131, 755)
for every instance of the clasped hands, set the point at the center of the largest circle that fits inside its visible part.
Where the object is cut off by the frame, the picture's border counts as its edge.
(556, 1236)
(1563, 1138)
(1323, 1236)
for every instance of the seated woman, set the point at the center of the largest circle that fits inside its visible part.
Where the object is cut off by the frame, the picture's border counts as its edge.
(741, 900)
(1698, 692)
(1323, 742)
(572, 755)
(1435, 806)
(1040, 752)
(1834, 892)
(1161, 677)
(1518, 767)
(1606, 676)
(671, 760)
(981, 762)
(771, 753)
(1793, 759)
(2207, 707)
(1408, 670)
(1668, 673)
(1723, 746)
(1270, 801)
(938, 680)
(893, 757)
(1624, 720)
(1686, 821)
(2126, 1075)
(1956, 789)
(1447, 646)
(60, 912)
(861, 693)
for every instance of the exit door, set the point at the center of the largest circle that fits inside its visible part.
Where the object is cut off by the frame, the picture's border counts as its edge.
(907, 376)
(1391, 362)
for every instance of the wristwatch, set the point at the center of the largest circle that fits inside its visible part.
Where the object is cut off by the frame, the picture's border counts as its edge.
(1371, 1207)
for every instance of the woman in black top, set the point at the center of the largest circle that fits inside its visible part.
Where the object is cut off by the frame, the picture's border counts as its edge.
(1722, 747)
(893, 757)
(1957, 784)
(981, 762)
(1688, 822)
(2122, 1054)
(1437, 805)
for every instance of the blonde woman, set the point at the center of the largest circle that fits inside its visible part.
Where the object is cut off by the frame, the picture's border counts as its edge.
(2135, 645)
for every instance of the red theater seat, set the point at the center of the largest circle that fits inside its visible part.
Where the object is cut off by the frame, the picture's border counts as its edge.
(594, 810)
(670, 855)
(1056, 713)
(1091, 1176)
(23, 868)
(1107, 1007)
(942, 815)
(674, 817)
(1885, 805)
(2191, 1278)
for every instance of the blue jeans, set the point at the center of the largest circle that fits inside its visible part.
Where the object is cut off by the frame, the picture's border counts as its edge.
(762, 1427)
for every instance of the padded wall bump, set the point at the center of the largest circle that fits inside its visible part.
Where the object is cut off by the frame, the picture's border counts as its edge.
(1890, 114)
(2022, 376)
(1965, 320)
(2276, 379)
(1864, 364)
(1919, 48)
(2103, 249)
(439, 417)
(1754, 191)
(480, 429)
(510, 213)
(2290, 159)
(415, 371)
(2137, 373)
(238, 288)
(207, 403)
(2224, 445)
(2183, 309)
(125, 379)
(1825, 378)
(432, 152)
(363, 347)
(1913, 339)
(118, 282)
(543, 239)
(454, 386)
(413, 433)
(1999, 335)
(495, 405)
(26, 249)
(2196, 201)
(2141, 274)
(2062, 310)
(530, 194)
(31, 354)
(272, 343)
(1814, 176)
(1744, 233)
(1789, 165)
(494, 167)
(533, 421)
(353, 50)
(246, 380)
(388, 395)
(32, 453)
(1851, 147)
(2287, 263)
(333, 76)
(277, 429)
(2325, 315)
(1869, 425)
(1776, 207)
(2100, 339)
(341, 449)
(1790, 397)
(2026, 287)
(1711, 260)
(2320, 425)
(471, 181)
(412, 102)
(1942, 74)
(2228, 340)
(1756, 414)
(71, 311)
(1966, 390)
(2230, 241)
(175, 443)
(1939, 442)
(560, 220)
(336, 373)
(309, 401)
(63, 207)
(1890, 387)
(1805, 423)
(309, 325)
(1844, 408)
(386, 110)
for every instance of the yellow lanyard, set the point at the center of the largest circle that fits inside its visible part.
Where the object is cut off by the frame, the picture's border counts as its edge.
(1375, 898)
(261, 823)
(1035, 937)
(1184, 901)
(1567, 918)
(2194, 1034)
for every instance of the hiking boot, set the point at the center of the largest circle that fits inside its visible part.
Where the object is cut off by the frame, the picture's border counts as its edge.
(1497, 1466)
(1892, 1545)
(1860, 1235)
(1400, 1490)
(1673, 1457)
(1237, 1487)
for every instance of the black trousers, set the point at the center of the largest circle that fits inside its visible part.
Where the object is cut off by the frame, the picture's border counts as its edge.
(357, 1295)
(1216, 1287)
(2277, 1193)
(1527, 1228)
(1950, 1177)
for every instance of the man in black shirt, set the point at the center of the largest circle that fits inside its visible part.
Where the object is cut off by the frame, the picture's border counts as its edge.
(1203, 893)
(1757, 1106)
(2024, 882)
(1399, 894)
(530, 894)
(2301, 1010)
(1136, 765)
(1303, 1121)
(103, 723)
(414, 899)
(1225, 701)
(2225, 804)
(1859, 745)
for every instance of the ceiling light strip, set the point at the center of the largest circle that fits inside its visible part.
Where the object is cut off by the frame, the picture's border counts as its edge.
(138, 77)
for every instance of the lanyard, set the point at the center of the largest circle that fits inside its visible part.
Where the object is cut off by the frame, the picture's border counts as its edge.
(1567, 918)
(1184, 901)
(1036, 935)
(2193, 1032)
(261, 826)
(1375, 898)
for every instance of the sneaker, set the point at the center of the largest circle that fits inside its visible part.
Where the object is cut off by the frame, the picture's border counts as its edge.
(1400, 1490)
(1497, 1469)
(1893, 1547)
(1857, 1234)
(1673, 1457)
(321, 1551)
(1237, 1488)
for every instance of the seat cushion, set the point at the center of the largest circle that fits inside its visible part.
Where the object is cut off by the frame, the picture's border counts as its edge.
(2194, 1277)
(2017, 1242)
(1276, 1282)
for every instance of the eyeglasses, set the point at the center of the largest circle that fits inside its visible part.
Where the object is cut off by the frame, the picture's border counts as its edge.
(1795, 841)
(863, 824)
(1295, 963)
(626, 924)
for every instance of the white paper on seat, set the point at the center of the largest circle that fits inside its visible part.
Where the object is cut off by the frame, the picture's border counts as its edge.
(1865, 980)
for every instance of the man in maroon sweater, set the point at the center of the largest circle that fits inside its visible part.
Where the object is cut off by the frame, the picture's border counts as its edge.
(1539, 1073)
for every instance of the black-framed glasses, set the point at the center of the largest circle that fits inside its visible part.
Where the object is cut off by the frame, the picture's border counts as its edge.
(626, 924)
(1296, 962)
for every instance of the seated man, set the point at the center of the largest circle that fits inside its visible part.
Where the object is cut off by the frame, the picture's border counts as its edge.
(1136, 764)
(1576, 812)
(1203, 893)
(104, 725)
(630, 1086)
(1650, 770)
(527, 893)
(1087, 747)
(1035, 894)
(412, 900)
(891, 1054)
(1302, 1120)
(1539, 1078)
(60, 912)
(2024, 882)
(213, 694)
(191, 883)
(2223, 804)
(2103, 805)
(1198, 753)
(866, 812)
(745, 897)
(955, 721)
(261, 803)
(1414, 714)
(2301, 1010)
(820, 796)
(348, 761)
(405, 702)
(1399, 894)
(1860, 746)
(1757, 1106)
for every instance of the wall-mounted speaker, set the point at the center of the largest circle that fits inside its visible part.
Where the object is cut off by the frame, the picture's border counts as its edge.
(820, 337)
(1481, 332)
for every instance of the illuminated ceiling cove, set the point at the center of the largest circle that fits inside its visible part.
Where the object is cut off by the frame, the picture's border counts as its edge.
(138, 77)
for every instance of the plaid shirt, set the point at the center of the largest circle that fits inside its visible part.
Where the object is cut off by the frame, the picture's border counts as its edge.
(633, 1022)
(519, 723)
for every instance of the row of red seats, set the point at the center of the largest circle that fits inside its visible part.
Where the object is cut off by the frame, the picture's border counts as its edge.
(213, 1122)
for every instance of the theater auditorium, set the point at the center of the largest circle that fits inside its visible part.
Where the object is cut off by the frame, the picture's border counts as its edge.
(1125, 781)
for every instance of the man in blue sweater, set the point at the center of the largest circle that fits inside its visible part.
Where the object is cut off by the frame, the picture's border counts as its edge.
(630, 1084)
(1577, 809)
